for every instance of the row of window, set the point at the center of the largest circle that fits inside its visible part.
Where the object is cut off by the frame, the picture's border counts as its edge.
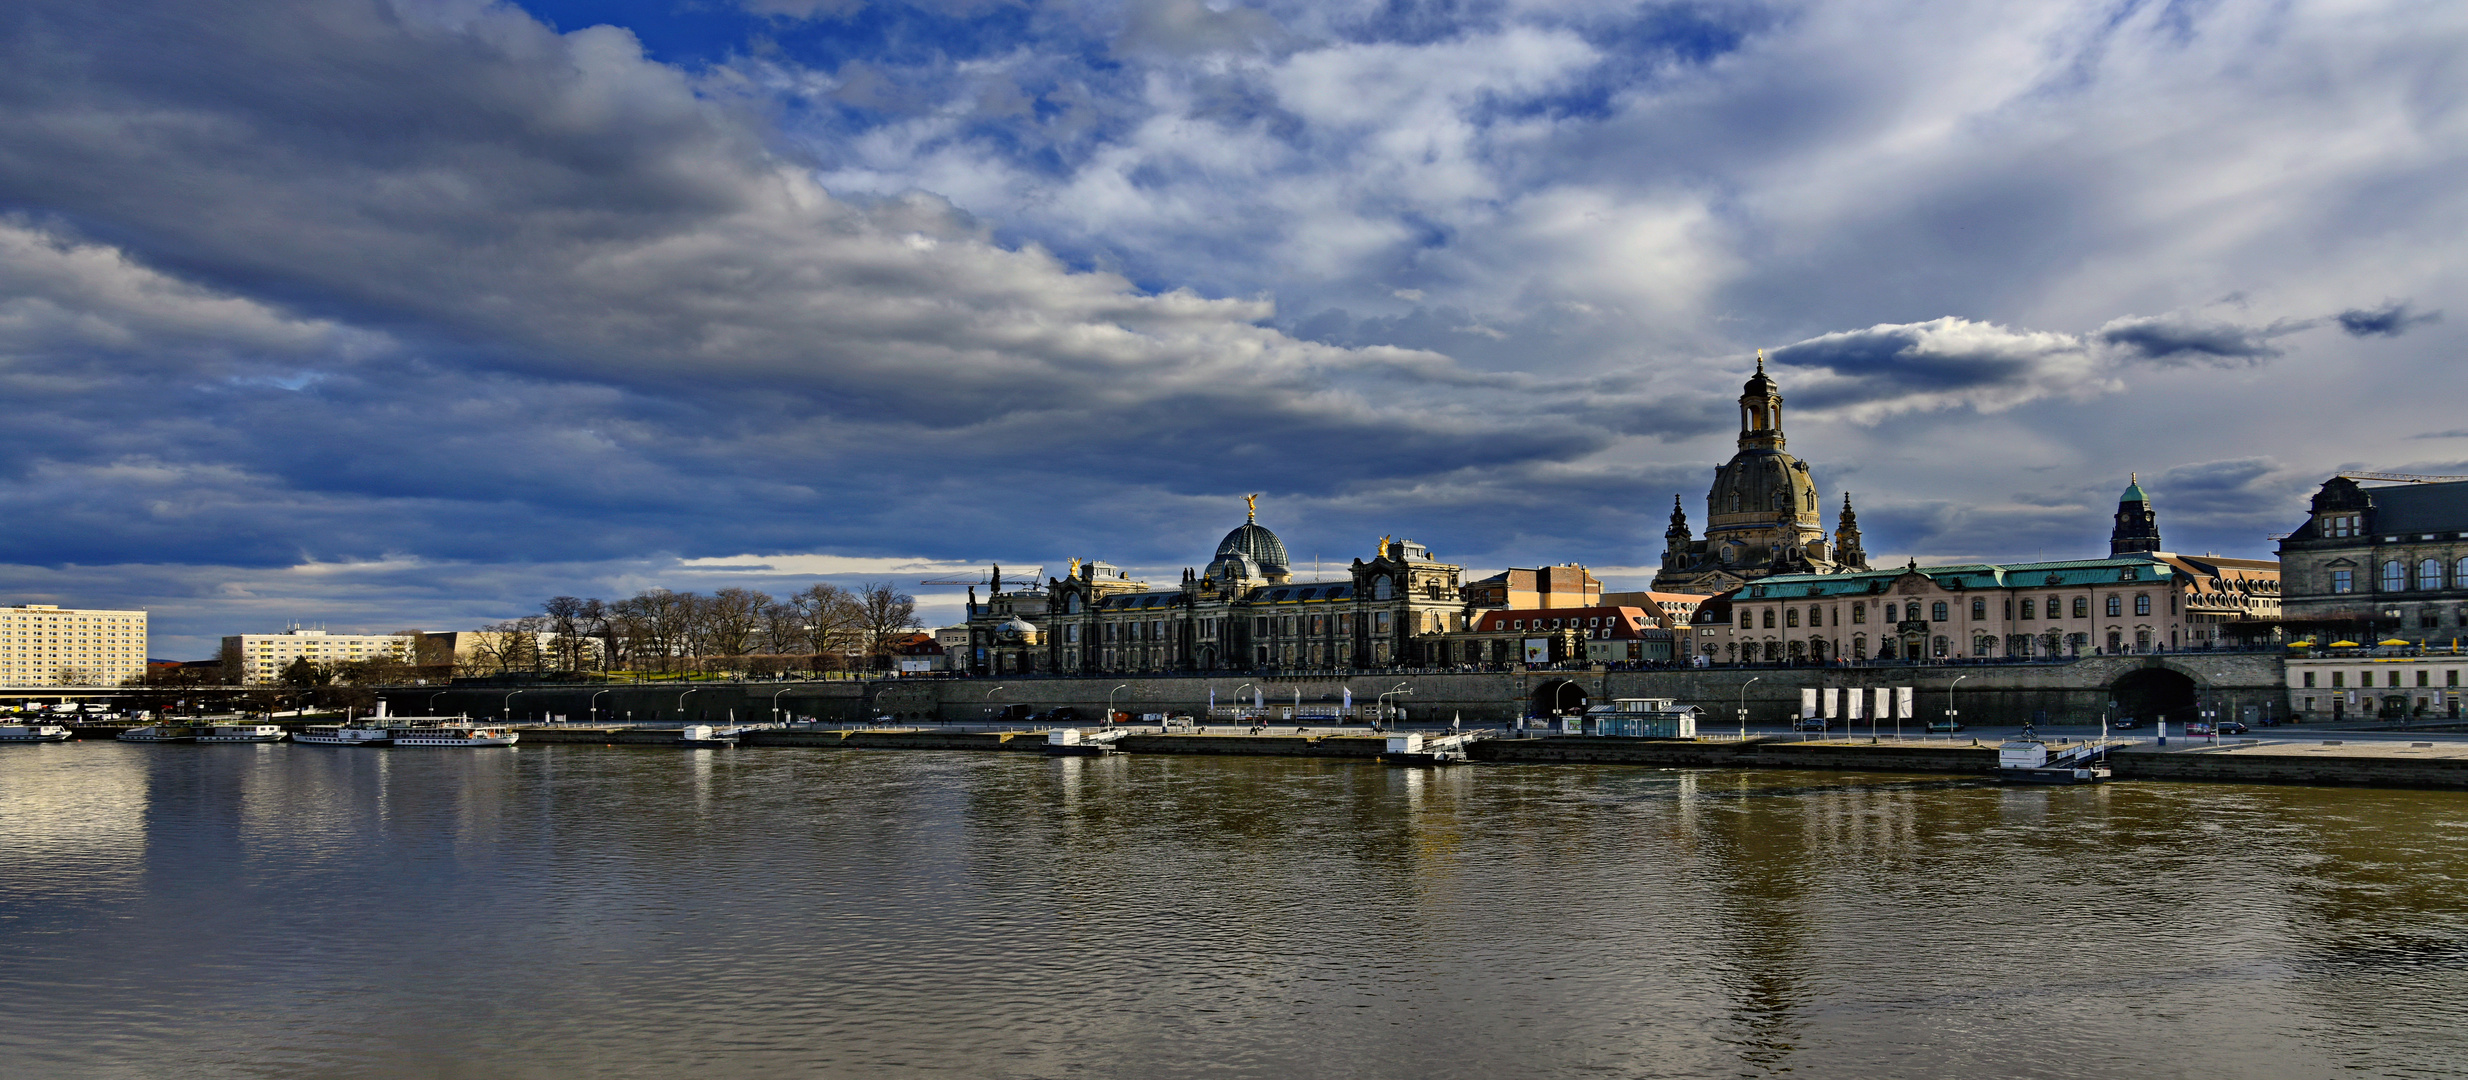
(2390, 678)
(1264, 626)
(1587, 623)
(1940, 611)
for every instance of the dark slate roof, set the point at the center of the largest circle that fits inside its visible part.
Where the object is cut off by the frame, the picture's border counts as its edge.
(2420, 508)
(1296, 594)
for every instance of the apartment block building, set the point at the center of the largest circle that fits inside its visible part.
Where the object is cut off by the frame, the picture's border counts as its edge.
(48, 645)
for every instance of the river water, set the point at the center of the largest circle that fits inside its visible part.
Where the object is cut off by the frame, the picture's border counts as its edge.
(574, 911)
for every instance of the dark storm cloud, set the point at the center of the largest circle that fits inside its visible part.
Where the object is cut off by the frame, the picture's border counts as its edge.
(2390, 320)
(2179, 340)
(450, 286)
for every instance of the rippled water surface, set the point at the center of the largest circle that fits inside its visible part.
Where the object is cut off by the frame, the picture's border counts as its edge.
(569, 911)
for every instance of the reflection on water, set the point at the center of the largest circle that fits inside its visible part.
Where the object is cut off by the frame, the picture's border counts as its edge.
(558, 911)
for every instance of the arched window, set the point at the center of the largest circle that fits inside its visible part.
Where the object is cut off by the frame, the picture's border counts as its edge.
(2116, 606)
(2394, 576)
(1816, 616)
(2459, 571)
(2116, 641)
(1979, 608)
(2429, 574)
(2142, 603)
(1982, 644)
(1859, 645)
(2082, 607)
(1791, 616)
(1769, 618)
(1940, 645)
(1859, 614)
(1937, 612)
(1382, 588)
(1747, 618)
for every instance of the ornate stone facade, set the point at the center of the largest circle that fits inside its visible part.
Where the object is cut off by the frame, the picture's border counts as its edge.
(1762, 514)
(2374, 563)
(1245, 612)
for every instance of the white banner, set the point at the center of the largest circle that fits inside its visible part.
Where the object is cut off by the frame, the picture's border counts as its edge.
(1852, 700)
(1902, 703)
(1808, 702)
(1885, 703)
(1833, 702)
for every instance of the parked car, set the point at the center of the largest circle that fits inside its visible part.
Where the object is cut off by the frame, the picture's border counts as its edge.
(1812, 723)
(2231, 727)
(2126, 722)
(1948, 726)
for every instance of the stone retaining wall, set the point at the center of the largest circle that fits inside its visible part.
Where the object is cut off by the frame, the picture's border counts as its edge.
(2074, 692)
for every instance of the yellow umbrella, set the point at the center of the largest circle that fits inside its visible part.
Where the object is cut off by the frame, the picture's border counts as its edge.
(2392, 641)
(2300, 644)
(2343, 644)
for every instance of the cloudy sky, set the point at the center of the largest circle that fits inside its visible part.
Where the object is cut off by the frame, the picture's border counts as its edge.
(386, 314)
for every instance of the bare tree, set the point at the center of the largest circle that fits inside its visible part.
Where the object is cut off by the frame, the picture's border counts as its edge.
(512, 645)
(886, 612)
(658, 625)
(732, 621)
(832, 621)
(570, 631)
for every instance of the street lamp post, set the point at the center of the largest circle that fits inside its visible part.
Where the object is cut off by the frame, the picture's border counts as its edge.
(506, 711)
(431, 707)
(1109, 702)
(1744, 706)
(1238, 701)
(989, 695)
(775, 703)
(1401, 688)
(1952, 715)
(594, 709)
(681, 703)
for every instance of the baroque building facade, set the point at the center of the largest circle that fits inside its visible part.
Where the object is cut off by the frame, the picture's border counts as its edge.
(2381, 562)
(1762, 516)
(2139, 599)
(1245, 612)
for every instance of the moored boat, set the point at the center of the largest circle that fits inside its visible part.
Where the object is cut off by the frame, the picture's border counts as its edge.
(159, 733)
(33, 732)
(705, 735)
(2030, 761)
(242, 733)
(450, 733)
(342, 735)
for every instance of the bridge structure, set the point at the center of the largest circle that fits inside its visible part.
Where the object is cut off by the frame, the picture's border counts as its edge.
(2149, 686)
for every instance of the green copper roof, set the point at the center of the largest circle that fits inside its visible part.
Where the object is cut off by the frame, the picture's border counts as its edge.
(2033, 575)
(2133, 492)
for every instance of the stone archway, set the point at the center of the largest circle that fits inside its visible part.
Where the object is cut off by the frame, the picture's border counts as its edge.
(1560, 695)
(2154, 693)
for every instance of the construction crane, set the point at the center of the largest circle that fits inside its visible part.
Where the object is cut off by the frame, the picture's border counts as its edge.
(2405, 478)
(994, 579)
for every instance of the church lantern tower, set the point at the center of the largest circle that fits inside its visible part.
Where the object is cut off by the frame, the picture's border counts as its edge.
(2137, 528)
(1848, 554)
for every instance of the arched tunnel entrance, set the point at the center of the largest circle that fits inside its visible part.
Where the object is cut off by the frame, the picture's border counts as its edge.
(1559, 697)
(2154, 694)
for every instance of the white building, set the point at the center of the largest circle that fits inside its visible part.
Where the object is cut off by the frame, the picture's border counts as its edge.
(44, 645)
(261, 658)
